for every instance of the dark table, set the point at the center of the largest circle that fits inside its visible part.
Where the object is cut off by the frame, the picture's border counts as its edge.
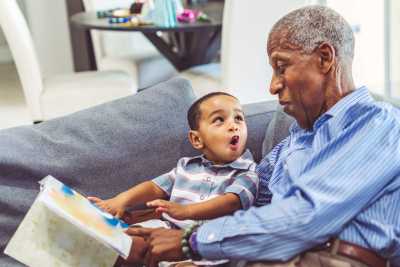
(186, 45)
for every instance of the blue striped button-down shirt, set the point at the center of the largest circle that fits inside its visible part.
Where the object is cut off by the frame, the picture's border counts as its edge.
(341, 179)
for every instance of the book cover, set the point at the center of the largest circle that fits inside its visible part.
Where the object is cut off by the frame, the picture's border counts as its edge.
(63, 228)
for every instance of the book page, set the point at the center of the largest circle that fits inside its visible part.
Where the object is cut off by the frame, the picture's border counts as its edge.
(78, 210)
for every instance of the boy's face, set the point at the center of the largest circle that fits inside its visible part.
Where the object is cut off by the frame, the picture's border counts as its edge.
(222, 131)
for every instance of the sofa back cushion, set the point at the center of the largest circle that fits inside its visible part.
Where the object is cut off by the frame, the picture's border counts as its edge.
(99, 151)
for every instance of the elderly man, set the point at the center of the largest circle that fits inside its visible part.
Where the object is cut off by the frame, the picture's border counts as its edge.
(329, 192)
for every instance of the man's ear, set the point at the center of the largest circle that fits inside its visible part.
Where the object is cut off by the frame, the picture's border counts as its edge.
(195, 139)
(327, 56)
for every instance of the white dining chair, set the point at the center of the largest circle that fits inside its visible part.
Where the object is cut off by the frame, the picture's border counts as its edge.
(244, 69)
(50, 97)
(127, 51)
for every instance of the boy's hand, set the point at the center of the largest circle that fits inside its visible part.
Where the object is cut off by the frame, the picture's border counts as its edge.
(114, 206)
(177, 211)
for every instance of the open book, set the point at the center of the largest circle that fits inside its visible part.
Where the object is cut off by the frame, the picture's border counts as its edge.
(63, 228)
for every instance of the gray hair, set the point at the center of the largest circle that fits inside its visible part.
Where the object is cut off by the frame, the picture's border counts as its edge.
(310, 26)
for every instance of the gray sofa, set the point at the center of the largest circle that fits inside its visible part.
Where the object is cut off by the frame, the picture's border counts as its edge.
(107, 149)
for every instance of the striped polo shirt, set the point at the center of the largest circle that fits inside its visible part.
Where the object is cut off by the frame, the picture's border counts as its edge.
(196, 179)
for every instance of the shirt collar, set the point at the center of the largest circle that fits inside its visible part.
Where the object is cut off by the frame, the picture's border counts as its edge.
(243, 162)
(360, 95)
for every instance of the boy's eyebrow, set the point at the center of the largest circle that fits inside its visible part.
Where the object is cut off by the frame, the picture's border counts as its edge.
(239, 110)
(221, 110)
(214, 112)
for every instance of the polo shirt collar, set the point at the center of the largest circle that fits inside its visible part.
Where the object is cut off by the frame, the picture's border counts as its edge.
(242, 163)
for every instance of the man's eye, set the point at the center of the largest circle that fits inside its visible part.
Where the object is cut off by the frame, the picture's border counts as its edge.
(280, 69)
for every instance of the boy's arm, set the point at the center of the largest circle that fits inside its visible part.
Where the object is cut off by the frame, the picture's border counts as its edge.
(138, 194)
(210, 209)
(141, 194)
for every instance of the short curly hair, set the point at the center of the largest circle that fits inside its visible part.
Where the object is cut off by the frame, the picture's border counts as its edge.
(194, 112)
(309, 26)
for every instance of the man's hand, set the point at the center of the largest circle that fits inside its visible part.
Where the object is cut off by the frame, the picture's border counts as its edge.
(114, 206)
(175, 210)
(163, 244)
(138, 250)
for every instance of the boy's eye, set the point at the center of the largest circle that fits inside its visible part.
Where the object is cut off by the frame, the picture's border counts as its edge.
(218, 120)
(239, 118)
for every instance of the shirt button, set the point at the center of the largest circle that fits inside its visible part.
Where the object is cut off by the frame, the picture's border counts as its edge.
(202, 197)
(211, 237)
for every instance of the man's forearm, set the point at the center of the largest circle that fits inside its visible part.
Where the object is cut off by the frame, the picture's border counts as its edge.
(214, 208)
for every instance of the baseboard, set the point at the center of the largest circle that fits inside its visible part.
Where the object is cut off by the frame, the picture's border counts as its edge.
(5, 54)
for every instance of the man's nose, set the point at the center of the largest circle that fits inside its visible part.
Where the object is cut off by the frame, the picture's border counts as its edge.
(276, 85)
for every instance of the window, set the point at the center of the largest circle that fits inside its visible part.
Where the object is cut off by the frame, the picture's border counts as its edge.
(393, 23)
(368, 25)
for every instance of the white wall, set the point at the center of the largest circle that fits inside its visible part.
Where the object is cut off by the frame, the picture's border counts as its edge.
(245, 68)
(395, 47)
(369, 54)
(48, 22)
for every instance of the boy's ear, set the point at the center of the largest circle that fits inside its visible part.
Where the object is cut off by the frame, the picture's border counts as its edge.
(195, 139)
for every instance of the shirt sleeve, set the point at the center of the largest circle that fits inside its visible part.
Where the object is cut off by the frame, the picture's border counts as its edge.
(245, 185)
(166, 181)
(349, 173)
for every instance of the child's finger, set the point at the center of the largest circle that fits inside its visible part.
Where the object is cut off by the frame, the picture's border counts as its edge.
(157, 203)
(120, 214)
(160, 210)
(94, 199)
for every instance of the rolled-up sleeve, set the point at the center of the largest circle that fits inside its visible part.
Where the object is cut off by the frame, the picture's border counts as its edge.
(166, 181)
(245, 185)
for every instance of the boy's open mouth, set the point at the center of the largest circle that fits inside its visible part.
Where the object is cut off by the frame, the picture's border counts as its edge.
(234, 140)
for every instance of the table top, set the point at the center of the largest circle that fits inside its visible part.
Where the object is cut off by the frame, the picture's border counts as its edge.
(214, 10)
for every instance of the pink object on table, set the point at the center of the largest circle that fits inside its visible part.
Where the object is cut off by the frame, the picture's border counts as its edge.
(187, 16)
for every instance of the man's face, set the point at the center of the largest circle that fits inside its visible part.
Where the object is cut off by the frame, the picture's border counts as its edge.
(298, 81)
(222, 129)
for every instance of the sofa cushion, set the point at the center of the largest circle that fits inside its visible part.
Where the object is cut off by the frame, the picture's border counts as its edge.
(99, 151)
(277, 130)
(259, 117)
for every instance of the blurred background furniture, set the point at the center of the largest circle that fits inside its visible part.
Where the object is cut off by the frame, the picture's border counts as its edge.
(184, 46)
(49, 97)
(244, 69)
(130, 52)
